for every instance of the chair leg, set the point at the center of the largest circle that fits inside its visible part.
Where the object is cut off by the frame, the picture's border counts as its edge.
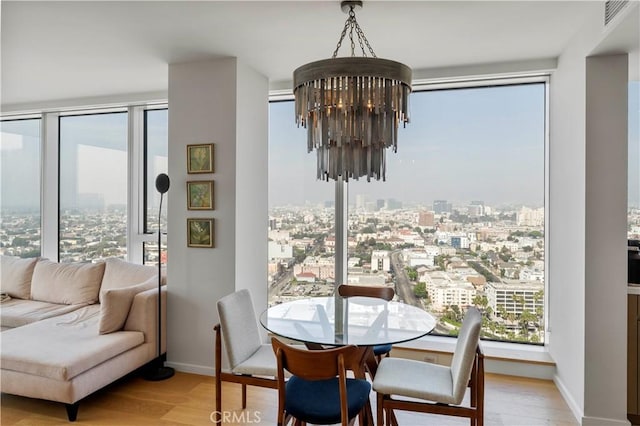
(379, 409)
(218, 380)
(244, 396)
(218, 413)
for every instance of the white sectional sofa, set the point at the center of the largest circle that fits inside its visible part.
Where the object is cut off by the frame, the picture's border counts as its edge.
(71, 329)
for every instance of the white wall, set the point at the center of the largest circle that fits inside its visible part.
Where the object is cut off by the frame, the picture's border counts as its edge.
(605, 369)
(587, 229)
(566, 223)
(204, 100)
(252, 185)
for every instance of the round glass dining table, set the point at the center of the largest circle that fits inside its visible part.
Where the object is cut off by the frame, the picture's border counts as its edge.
(360, 321)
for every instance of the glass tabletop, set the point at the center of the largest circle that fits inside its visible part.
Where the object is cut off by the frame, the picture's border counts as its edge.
(361, 321)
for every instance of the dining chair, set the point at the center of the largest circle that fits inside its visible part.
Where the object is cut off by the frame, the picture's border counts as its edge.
(251, 362)
(440, 389)
(385, 293)
(318, 390)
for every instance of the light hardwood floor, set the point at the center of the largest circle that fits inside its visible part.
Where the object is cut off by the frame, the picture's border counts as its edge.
(188, 399)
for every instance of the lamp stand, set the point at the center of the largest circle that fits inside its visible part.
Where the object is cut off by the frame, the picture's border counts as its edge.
(157, 370)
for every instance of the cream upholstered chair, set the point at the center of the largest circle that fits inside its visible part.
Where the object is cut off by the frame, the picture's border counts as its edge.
(251, 362)
(444, 386)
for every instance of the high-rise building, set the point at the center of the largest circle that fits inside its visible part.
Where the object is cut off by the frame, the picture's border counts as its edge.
(393, 204)
(426, 218)
(441, 206)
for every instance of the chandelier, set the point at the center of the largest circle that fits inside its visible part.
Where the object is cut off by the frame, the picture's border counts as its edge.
(352, 106)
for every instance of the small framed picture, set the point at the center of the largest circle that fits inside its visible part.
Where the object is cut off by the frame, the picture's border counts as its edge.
(200, 158)
(200, 195)
(199, 232)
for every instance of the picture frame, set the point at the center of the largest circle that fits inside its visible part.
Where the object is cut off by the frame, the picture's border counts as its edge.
(200, 158)
(200, 195)
(200, 232)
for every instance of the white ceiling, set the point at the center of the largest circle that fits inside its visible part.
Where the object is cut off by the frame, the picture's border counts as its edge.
(66, 50)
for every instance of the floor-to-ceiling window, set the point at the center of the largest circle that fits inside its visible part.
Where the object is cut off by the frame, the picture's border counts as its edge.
(93, 187)
(20, 161)
(301, 214)
(459, 220)
(155, 162)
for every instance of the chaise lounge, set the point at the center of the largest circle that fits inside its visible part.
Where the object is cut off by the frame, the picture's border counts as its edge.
(68, 330)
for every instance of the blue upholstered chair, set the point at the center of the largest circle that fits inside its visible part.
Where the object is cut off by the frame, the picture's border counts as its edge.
(318, 390)
(433, 388)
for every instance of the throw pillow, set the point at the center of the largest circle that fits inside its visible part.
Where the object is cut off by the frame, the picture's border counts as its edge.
(116, 303)
(15, 276)
(66, 283)
(119, 273)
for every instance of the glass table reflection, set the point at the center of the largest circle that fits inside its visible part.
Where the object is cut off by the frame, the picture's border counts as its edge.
(360, 321)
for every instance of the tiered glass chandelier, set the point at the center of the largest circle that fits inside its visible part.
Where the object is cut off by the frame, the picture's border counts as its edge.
(352, 107)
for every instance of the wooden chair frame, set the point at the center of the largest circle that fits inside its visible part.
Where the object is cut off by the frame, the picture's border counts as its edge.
(243, 379)
(315, 365)
(385, 293)
(475, 410)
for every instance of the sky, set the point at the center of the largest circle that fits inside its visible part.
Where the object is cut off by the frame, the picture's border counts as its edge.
(461, 144)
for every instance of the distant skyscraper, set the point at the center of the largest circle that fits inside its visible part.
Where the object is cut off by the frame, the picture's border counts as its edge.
(379, 204)
(361, 202)
(476, 208)
(441, 206)
(393, 204)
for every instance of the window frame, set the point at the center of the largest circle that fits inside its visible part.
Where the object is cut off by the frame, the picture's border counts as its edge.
(50, 173)
(41, 148)
(342, 188)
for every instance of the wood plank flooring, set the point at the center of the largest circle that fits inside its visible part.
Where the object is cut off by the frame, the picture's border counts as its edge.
(188, 399)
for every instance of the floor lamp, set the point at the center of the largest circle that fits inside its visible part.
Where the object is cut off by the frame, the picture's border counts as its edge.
(158, 371)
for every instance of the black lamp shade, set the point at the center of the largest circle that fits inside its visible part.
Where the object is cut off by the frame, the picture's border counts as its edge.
(162, 183)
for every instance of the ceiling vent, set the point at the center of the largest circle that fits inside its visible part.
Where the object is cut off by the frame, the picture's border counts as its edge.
(612, 8)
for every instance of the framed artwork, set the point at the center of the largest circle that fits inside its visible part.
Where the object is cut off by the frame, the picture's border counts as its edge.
(200, 158)
(199, 232)
(200, 195)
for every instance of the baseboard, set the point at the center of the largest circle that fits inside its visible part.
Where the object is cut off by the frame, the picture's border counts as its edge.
(597, 421)
(192, 368)
(573, 406)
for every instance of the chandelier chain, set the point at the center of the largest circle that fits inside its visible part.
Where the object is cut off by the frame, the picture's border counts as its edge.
(350, 24)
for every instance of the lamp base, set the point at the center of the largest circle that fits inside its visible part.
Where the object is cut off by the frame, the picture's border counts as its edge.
(157, 371)
(157, 374)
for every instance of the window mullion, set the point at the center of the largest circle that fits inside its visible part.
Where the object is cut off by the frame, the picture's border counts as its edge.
(49, 196)
(135, 196)
(341, 232)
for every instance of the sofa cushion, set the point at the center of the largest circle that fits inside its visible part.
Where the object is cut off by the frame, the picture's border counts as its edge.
(118, 274)
(116, 303)
(66, 283)
(15, 276)
(60, 348)
(18, 312)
